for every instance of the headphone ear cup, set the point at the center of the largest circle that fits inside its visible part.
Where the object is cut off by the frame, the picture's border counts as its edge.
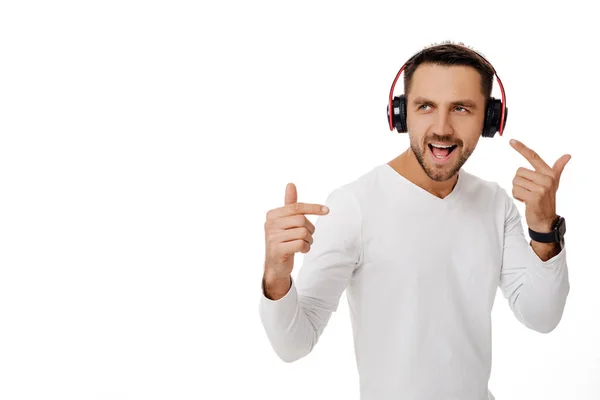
(493, 113)
(399, 116)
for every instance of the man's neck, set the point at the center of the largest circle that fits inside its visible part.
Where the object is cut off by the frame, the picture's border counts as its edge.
(407, 165)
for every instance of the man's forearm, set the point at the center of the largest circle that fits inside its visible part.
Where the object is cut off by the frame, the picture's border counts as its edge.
(545, 251)
(276, 287)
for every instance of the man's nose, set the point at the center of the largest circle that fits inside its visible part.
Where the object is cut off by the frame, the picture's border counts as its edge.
(443, 124)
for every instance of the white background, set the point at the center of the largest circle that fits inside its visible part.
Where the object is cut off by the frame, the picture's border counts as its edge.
(142, 143)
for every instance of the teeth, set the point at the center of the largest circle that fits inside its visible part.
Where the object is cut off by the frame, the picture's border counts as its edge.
(439, 146)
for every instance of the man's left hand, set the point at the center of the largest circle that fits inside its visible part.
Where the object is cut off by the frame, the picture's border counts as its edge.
(537, 188)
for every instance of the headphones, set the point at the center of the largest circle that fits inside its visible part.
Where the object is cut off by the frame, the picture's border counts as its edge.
(495, 114)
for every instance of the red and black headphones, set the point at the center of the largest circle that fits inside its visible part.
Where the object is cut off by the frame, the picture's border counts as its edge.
(495, 114)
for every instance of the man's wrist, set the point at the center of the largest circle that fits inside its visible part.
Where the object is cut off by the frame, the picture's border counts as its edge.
(544, 227)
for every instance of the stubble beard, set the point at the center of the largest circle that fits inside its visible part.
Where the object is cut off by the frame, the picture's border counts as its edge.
(441, 173)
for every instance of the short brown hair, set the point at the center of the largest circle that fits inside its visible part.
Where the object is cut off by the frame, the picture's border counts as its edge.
(451, 54)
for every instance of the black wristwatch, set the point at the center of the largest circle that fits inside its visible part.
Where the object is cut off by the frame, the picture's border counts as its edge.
(556, 235)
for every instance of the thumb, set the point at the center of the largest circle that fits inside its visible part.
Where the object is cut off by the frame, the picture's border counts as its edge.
(291, 195)
(560, 164)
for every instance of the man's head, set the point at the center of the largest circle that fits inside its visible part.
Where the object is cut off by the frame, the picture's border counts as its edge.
(446, 89)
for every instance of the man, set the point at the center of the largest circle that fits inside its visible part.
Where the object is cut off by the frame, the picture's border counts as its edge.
(421, 246)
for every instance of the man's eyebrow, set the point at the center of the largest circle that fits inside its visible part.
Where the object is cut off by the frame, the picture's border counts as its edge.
(464, 103)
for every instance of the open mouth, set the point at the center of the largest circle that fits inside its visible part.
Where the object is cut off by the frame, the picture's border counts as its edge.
(440, 151)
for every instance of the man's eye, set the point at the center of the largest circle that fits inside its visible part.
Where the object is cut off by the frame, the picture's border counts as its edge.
(423, 105)
(464, 109)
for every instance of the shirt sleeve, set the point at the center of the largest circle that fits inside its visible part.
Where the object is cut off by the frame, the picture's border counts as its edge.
(536, 290)
(295, 322)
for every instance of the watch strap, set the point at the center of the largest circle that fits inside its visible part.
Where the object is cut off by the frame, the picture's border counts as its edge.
(554, 236)
(549, 237)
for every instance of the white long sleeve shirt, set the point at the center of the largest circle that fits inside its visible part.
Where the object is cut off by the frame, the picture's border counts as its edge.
(421, 274)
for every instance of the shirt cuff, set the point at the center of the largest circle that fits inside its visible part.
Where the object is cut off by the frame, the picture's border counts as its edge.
(288, 298)
(553, 265)
(279, 315)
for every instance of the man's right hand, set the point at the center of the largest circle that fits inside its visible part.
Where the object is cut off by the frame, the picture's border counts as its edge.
(287, 232)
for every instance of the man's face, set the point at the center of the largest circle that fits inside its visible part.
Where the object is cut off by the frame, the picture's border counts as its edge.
(444, 107)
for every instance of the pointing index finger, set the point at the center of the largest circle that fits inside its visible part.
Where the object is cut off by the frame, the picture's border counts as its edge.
(300, 208)
(534, 159)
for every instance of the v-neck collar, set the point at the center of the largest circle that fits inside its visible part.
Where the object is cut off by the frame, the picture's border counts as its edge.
(449, 199)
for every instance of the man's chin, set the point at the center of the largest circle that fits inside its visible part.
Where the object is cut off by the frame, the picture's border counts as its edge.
(440, 174)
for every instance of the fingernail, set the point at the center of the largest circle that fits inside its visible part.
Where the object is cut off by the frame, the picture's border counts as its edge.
(325, 209)
(513, 141)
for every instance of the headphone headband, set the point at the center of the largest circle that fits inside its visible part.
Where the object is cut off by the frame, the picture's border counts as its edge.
(490, 112)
